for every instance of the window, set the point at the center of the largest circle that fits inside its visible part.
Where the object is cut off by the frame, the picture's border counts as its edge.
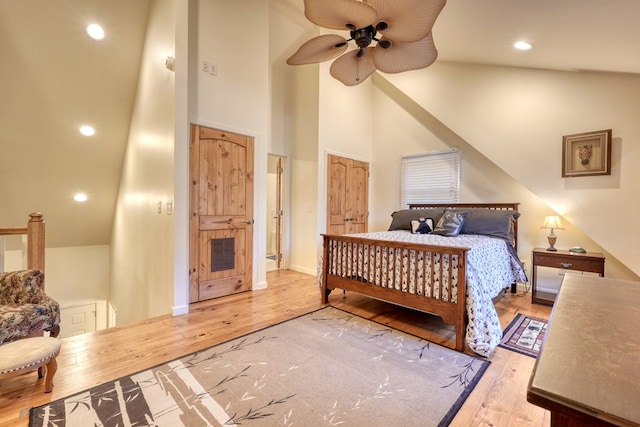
(431, 178)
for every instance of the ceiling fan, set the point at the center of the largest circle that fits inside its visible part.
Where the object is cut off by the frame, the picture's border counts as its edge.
(406, 42)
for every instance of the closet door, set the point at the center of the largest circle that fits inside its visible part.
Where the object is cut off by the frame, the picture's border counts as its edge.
(221, 222)
(347, 195)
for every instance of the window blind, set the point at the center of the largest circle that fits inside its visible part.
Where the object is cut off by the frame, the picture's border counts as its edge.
(431, 177)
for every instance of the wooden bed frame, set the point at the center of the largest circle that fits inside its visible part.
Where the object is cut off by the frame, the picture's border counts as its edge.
(338, 247)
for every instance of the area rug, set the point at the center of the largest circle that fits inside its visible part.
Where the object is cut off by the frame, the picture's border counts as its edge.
(525, 335)
(324, 368)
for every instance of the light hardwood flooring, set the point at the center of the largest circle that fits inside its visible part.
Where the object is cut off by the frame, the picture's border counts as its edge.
(91, 359)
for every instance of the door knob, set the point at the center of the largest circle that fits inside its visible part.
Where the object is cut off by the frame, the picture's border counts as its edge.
(250, 221)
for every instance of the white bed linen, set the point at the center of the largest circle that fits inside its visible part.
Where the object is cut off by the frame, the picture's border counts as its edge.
(490, 269)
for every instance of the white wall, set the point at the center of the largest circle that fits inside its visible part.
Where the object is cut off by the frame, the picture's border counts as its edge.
(142, 239)
(294, 131)
(517, 117)
(186, 69)
(304, 171)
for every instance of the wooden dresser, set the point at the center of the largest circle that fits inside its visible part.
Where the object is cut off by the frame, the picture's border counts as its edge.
(588, 371)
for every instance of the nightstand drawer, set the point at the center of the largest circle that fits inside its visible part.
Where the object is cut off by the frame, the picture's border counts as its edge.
(569, 263)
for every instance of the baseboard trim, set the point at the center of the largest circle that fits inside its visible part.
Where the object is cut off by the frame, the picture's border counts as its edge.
(181, 309)
(304, 270)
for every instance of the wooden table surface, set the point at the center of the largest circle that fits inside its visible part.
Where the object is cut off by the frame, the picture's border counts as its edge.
(589, 365)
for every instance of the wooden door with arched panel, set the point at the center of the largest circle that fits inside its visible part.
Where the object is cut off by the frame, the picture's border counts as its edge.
(221, 213)
(347, 195)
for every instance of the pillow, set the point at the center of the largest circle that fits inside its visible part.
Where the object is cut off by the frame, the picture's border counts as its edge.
(401, 220)
(450, 223)
(421, 226)
(490, 222)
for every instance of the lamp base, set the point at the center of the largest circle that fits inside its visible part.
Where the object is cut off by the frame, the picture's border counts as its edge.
(552, 241)
(552, 249)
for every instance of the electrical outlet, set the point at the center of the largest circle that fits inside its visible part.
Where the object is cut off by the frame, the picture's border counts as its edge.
(205, 66)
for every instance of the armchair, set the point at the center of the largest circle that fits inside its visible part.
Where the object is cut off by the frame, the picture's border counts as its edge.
(25, 309)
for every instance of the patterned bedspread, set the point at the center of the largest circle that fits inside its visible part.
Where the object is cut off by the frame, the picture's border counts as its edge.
(491, 267)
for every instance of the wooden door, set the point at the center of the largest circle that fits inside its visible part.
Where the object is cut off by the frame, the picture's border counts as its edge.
(279, 212)
(347, 195)
(221, 213)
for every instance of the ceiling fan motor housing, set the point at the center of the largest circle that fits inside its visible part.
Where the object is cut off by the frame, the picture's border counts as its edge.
(364, 36)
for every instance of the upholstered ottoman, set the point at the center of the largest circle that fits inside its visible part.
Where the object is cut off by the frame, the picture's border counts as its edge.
(28, 354)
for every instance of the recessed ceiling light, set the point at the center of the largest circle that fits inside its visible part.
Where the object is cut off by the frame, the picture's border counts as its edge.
(87, 130)
(95, 31)
(80, 197)
(522, 45)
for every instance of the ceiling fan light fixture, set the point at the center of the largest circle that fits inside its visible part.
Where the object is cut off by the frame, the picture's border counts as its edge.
(364, 36)
(381, 26)
(405, 41)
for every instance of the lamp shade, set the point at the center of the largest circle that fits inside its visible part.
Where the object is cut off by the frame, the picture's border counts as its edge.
(552, 222)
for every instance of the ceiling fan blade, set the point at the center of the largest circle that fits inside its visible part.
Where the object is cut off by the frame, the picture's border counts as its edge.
(408, 20)
(338, 14)
(318, 49)
(405, 56)
(352, 69)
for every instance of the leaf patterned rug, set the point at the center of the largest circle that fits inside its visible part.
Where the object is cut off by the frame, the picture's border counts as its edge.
(324, 368)
(525, 335)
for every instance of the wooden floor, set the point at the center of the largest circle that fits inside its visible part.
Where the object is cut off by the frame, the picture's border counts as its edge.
(91, 359)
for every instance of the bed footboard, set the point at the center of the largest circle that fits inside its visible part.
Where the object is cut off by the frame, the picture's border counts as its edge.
(423, 277)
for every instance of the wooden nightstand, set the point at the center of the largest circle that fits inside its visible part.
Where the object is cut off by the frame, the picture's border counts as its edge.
(591, 261)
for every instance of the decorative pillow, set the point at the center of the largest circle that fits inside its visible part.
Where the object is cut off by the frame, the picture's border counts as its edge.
(421, 226)
(450, 223)
(490, 222)
(401, 220)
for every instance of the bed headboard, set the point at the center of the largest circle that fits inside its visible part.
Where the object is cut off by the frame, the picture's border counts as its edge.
(496, 206)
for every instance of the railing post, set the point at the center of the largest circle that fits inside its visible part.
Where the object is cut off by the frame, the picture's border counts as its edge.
(324, 296)
(35, 241)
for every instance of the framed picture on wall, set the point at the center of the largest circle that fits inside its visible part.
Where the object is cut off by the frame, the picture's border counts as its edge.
(585, 154)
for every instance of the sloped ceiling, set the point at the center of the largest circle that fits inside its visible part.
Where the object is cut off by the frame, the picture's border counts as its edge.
(55, 78)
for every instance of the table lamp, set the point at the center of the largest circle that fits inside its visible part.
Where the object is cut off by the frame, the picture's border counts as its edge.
(552, 222)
